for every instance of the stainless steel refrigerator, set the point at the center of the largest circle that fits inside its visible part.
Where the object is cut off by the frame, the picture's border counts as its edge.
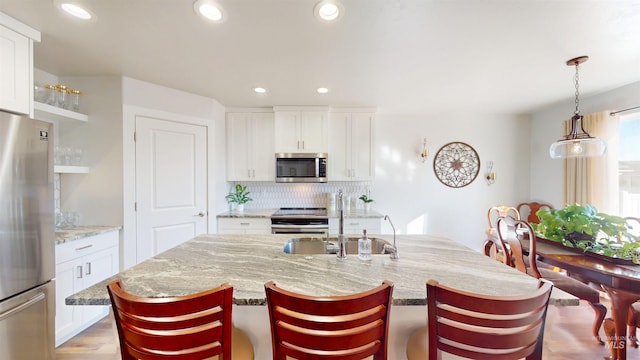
(27, 293)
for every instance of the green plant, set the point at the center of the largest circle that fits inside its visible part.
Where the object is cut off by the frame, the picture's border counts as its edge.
(585, 228)
(365, 199)
(240, 196)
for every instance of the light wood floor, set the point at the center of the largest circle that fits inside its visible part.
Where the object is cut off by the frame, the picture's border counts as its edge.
(567, 337)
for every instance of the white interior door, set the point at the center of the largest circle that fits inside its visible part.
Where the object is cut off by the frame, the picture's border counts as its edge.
(171, 184)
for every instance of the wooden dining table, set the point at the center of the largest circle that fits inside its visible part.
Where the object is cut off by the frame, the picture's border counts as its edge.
(621, 280)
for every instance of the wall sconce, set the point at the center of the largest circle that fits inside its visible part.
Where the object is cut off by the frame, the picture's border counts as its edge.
(490, 176)
(424, 153)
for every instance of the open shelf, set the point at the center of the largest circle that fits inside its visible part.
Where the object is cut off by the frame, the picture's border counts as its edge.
(48, 112)
(65, 169)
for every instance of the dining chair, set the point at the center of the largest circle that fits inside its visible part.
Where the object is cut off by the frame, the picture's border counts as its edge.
(195, 326)
(476, 326)
(528, 263)
(346, 327)
(528, 210)
(492, 246)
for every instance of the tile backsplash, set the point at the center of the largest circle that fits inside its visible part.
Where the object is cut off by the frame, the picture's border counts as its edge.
(270, 195)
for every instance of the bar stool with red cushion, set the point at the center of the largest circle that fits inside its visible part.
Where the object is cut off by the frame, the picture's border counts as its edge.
(476, 326)
(196, 326)
(507, 232)
(347, 327)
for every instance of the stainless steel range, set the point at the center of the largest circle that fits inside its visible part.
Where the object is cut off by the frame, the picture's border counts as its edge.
(300, 221)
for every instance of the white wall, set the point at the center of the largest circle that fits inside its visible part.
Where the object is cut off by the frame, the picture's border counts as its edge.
(139, 97)
(546, 127)
(409, 192)
(96, 196)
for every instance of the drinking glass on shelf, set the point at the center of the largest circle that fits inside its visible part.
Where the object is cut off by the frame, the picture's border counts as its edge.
(74, 99)
(57, 158)
(77, 156)
(50, 96)
(65, 155)
(61, 98)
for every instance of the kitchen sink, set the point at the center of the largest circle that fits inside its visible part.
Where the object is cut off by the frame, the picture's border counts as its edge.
(322, 245)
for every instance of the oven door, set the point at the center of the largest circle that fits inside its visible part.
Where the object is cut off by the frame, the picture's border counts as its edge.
(300, 225)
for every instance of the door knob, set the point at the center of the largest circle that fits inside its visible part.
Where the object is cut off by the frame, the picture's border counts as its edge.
(201, 214)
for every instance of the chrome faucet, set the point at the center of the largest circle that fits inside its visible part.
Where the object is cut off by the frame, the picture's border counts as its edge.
(342, 245)
(394, 251)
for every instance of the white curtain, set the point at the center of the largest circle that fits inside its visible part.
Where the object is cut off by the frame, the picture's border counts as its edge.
(595, 180)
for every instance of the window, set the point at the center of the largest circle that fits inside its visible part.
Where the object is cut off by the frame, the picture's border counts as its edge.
(629, 165)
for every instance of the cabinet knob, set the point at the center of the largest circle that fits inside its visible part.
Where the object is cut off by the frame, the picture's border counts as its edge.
(200, 214)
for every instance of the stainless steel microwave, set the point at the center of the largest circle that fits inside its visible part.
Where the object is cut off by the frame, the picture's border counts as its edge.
(301, 167)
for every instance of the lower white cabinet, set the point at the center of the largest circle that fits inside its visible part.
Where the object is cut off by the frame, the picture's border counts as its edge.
(80, 264)
(354, 226)
(244, 226)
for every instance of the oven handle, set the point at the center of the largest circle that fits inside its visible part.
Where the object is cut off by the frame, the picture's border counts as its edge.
(287, 226)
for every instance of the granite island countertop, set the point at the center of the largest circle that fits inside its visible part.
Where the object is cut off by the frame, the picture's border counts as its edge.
(248, 261)
(64, 235)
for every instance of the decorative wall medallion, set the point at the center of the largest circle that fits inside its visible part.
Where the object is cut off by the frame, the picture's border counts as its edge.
(456, 164)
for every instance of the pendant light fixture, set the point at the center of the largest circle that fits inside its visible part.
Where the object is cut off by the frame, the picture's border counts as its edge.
(578, 143)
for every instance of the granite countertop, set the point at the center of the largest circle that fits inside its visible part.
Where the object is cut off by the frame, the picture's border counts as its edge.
(79, 232)
(248, 261)
(266, 213)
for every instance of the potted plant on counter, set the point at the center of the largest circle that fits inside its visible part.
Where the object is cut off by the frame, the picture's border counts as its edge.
(239, 197)
(583, 227)
(367, 202)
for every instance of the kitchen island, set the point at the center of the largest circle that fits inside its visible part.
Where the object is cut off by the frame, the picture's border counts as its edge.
(248, 261)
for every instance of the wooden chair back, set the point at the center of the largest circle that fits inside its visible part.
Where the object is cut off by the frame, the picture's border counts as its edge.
(528, 210)
(496, 212)
(348, 327)
(478, 326)
(509, 237)
(492, 246)
(194, 326)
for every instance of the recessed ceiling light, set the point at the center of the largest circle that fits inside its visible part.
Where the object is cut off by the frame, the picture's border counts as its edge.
(322, 90)
(328, 10)
(260, 90)
(74, 9)
(208, 9)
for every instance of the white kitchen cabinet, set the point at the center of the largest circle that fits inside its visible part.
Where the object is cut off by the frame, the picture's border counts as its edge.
(80, 264)
(16, 65)
(250, 147)
(301, 131)
(244, 225)
(355, 225)
(351, 146)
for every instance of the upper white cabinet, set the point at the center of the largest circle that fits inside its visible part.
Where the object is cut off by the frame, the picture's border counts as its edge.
(351, 146)
(300, 130)
(250, 146)
(16, 65)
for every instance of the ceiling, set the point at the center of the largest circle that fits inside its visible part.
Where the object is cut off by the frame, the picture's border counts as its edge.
(401, 56)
